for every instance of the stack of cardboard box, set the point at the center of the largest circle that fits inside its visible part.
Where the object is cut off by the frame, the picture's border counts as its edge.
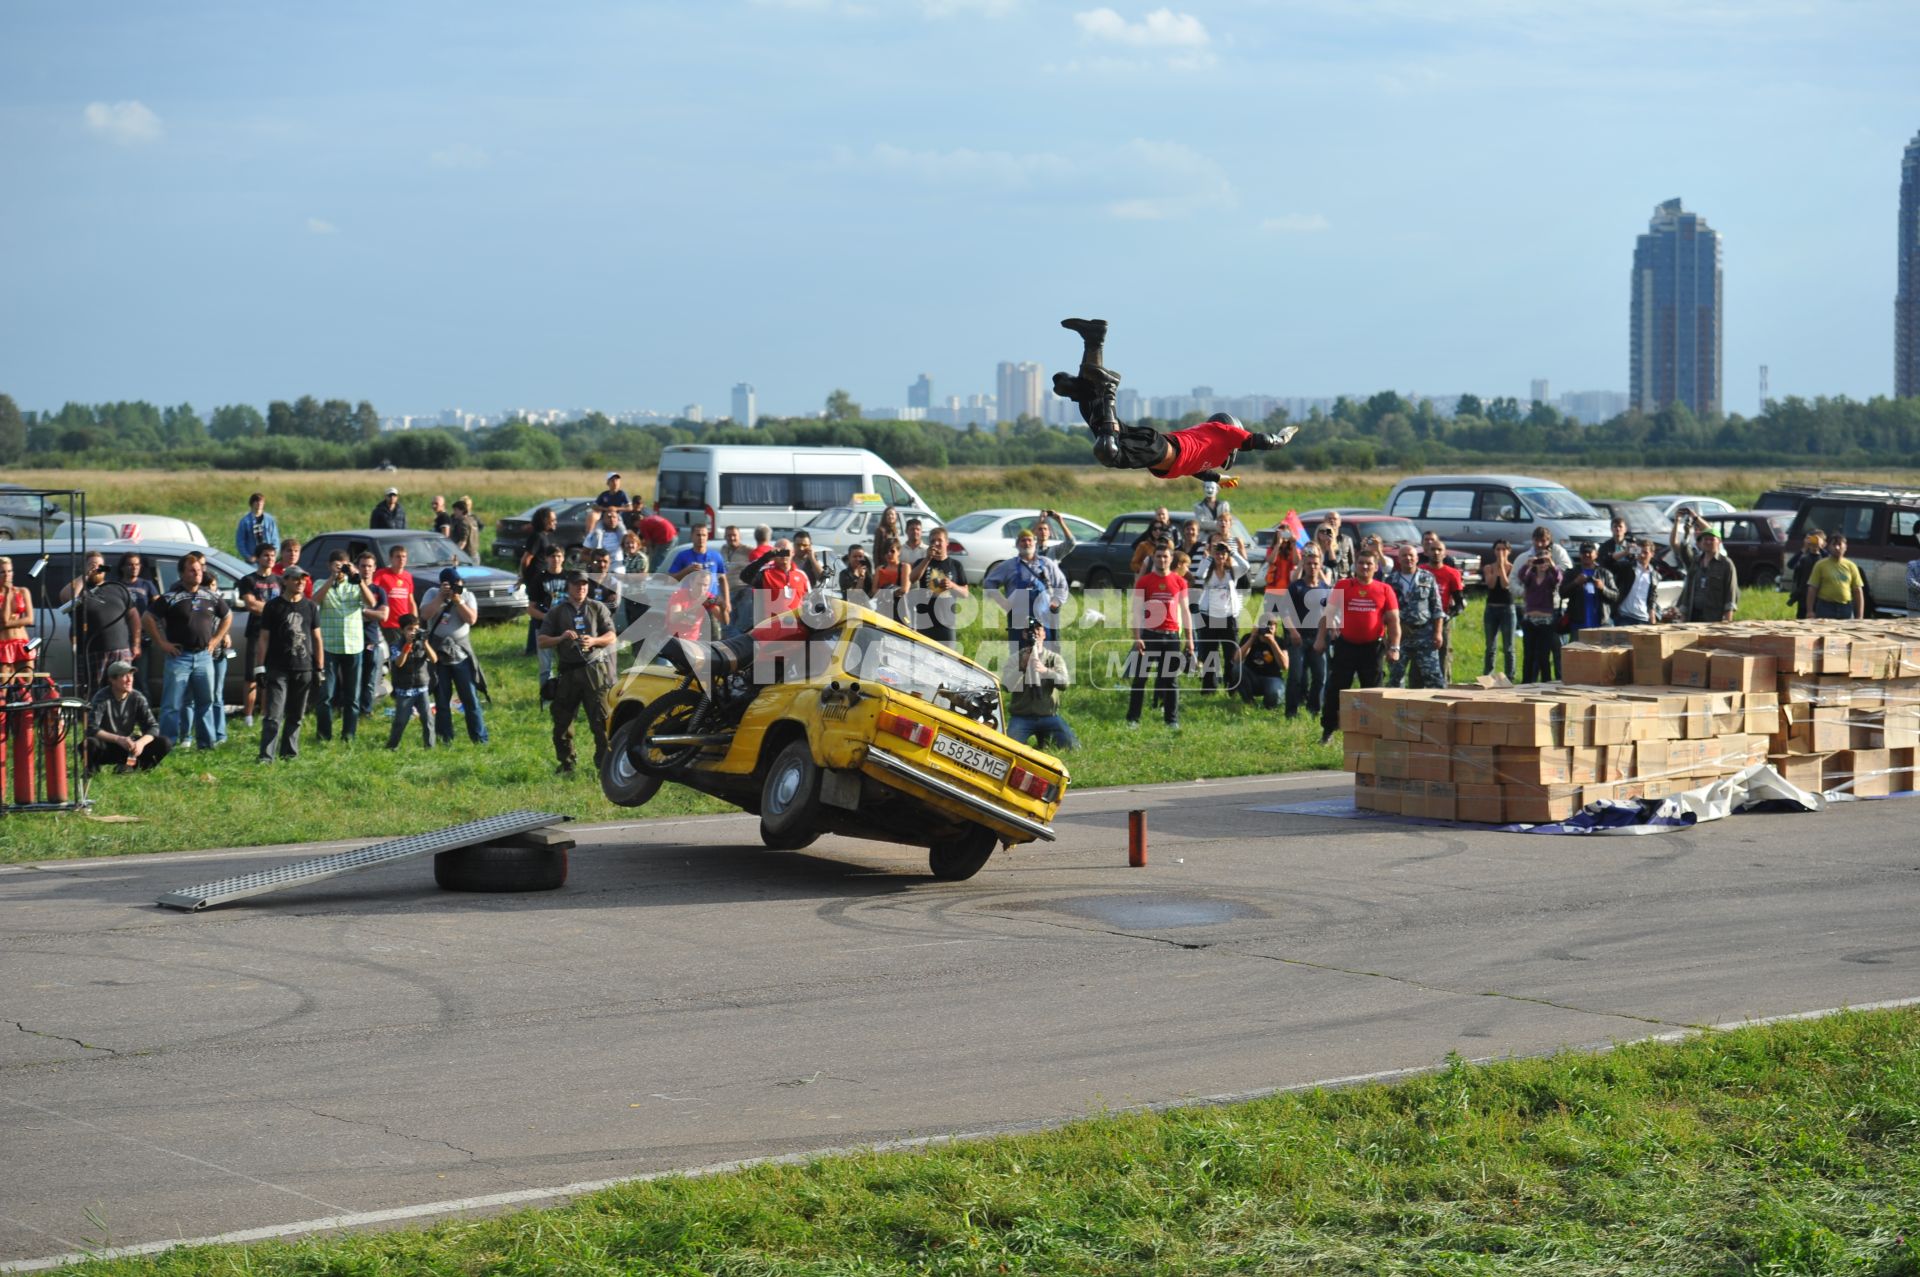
(1831, 705)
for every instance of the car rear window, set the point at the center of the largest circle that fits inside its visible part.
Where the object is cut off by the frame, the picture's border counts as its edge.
(1556, 503)
(971, 522)
(1449, 503)
(683, 489)
(1409, 503)
(1853, 519)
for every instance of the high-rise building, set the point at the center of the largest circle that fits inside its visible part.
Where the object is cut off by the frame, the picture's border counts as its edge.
(1020, 390)
(920, 393)
(1906, 302)
(693, 412)
(1541, 391)
(1676, 325)
(745, 406)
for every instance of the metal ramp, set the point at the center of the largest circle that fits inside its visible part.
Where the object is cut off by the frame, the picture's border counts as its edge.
(301, 872)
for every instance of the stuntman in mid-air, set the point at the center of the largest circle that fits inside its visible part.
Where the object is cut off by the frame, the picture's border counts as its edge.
(1200, 452)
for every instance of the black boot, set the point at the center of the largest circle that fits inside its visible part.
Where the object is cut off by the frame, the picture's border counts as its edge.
(1094, 333)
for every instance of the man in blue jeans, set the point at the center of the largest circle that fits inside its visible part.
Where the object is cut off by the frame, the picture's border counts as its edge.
(1033, 709)
(186, 624)
(372, 616)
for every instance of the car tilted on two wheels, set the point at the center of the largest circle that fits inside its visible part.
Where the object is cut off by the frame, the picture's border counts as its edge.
(835, 720)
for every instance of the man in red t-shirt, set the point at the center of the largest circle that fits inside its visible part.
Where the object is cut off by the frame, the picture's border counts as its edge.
(398, 583)
(1360, 612)
(1160, 633)
(1201, 451)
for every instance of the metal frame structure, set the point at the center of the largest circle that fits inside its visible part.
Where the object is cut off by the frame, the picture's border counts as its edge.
(71, 703)
(320, 868)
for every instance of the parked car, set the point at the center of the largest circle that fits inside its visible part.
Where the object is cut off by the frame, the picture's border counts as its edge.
(1667, 503)
(498, 595)
(152, 527)
(888, 736)
(1882, 526)
(775, 484)
(1644, 522)
(1788, 496)
(848, 525)
(1105, 562)
(25, 515)
(1472, 511)
(1756, 541)
(988, 535)
(570, 525)
(58, 565)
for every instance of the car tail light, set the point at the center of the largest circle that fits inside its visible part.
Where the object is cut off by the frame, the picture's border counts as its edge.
(907, 729)
(1031, 784)
(954, 547)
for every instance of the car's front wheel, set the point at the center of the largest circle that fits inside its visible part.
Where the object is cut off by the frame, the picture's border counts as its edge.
(621, 779)
(962, 856)
(790, 795)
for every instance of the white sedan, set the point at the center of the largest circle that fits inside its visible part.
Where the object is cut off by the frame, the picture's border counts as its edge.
(842, 526)
(985, 537)
(1668, 503)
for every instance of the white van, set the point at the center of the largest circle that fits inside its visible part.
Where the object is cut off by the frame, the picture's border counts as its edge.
(748, 484)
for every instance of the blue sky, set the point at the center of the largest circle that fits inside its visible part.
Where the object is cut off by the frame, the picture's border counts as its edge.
(634, 206)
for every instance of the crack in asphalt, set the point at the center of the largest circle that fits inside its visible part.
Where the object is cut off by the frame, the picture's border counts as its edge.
(1410, 982)
(39, 1033)
(386, 1129)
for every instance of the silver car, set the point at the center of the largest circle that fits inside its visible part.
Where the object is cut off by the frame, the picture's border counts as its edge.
(1472, 511)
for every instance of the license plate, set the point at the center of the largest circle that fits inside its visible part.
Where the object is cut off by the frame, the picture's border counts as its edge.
(970, 756)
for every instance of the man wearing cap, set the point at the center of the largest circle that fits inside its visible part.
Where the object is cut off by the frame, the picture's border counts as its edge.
(578, 630)
(389, 513)
(447, 615)
(614, 499)
(121, 730)
(1712, 592)
(288, 658)
(1589, 590)
(1033, 708)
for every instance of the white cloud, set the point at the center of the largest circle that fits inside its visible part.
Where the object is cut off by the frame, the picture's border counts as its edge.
(321, 226)
(1161, 29)
(1296, 224)
(124, 123)
(460, 156)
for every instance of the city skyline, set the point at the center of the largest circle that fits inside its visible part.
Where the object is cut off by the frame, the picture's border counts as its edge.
(1906, 302)
(555, 207)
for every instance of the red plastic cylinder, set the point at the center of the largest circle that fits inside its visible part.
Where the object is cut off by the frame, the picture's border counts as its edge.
(20, 726)
(5, 720)
(1137, 839)
(53, 744)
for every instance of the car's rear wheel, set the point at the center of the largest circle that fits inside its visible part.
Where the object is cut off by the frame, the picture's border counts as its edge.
(681, 712)
(621, 778)
(790, 795)
(992, 568)
(962, 856)
(1099, 579)
(1765, 577)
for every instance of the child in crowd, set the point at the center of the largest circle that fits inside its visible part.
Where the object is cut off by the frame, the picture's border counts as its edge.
(413, 658)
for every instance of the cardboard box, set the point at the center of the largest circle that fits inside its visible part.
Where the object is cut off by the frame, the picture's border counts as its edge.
(1594, 665)
(1517, 765)
(1391, 758)
(1761, 713)
(1532, 722)
(1473, 765)
(1691, 666)
(1836, 654)
(1586, 765)
(1807, 771)
(1735, 672)
(1866, 773)
(1440, 801)
(1427, 761)
(1535, 804)
(1651, 759)
(1479, 803)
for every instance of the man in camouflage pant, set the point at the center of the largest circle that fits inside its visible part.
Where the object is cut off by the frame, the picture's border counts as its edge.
(1423, 623)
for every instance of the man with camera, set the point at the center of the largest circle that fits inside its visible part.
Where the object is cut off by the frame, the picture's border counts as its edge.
(580, 632)
(448, 614)
(342, 601)
(288, 657)
(938, 582)
(105, 617)
(1712, 591)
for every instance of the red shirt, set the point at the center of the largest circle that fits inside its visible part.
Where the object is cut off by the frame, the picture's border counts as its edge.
(1451, 585)
(1159, 601)
(399, 588)
(1361, 610)
(657, 530)
(783, 588)
(280, 569)
(1203, 447)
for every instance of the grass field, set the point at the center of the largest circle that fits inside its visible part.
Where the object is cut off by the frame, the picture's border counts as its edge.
(221, 798)
(1785, 1149)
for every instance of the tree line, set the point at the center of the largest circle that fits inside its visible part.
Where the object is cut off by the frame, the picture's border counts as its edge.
(1386, 430)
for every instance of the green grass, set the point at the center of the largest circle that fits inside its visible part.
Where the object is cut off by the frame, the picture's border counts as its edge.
(1785, 1149)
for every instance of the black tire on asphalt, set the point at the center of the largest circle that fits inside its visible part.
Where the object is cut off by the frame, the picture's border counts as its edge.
(679, 711)
(493, 867)
(621, 780)
(790, 794)
(962, 856)
(795, 842)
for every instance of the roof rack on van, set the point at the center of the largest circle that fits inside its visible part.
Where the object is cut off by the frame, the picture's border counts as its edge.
(1869, 490)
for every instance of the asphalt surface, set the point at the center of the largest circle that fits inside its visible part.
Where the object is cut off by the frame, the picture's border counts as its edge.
(371, 1042)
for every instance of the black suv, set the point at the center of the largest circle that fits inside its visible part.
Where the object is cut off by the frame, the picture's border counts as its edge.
(1882, 527)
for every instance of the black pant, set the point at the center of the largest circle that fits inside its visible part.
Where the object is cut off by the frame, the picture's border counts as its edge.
(1540, 651)
(1219, 651)
(572, 693)
(1345, 662)
(104, 755)
(288, 692)
(1161, 659)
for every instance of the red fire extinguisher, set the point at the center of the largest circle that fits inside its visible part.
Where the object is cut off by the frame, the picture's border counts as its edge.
(5, 723)
(53, 742)
(20, 727)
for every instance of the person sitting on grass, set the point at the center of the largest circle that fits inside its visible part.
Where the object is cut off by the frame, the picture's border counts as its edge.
(122, 733)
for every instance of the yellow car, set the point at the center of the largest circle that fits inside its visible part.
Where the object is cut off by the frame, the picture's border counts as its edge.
(855, 725)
